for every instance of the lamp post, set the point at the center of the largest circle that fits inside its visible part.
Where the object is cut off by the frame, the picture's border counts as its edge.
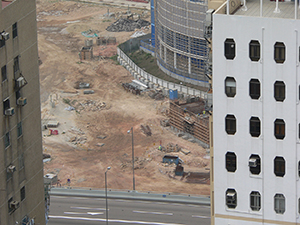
(133, 180)
(108, 168)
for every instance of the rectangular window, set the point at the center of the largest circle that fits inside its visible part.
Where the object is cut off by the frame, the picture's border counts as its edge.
(16, 65)
(254, 50)
(15, 30)
(279, 203)
(6, 140)
(19, 129)
(230, 124)
(10, 209)
(21, 161)
(2, 42)
(255, 201)
(229, 48)
(279, 129)
(230, 86)
(22, 192)
(254, 88)
(4, 73)
(279, 52)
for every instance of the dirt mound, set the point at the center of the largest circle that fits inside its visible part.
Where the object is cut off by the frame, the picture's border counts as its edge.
(127, 25)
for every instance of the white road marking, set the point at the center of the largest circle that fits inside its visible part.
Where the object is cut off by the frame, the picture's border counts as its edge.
(111, 220)
(157, 213)
(203, 217)
(83, 213)
(77, 207)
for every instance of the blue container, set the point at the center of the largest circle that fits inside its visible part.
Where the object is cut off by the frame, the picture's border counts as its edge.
(173, 94)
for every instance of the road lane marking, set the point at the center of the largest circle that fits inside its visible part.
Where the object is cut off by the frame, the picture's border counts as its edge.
(203, 217)
(78, 207)
(157, 213)
(111, 220)
(83, 213)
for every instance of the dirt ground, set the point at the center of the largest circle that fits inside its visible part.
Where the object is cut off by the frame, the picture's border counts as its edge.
(80, 152)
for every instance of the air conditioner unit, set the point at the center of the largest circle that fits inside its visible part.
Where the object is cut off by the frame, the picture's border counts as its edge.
(20, 82)
(9, 112)
(22, 101)
(231, 195)
(252, 162)
(14, 204)
(5, 36)
(11, 169)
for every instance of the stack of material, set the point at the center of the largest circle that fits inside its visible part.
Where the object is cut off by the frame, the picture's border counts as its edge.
(127, 25)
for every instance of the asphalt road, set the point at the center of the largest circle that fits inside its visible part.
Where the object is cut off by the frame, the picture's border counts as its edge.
(88, 211)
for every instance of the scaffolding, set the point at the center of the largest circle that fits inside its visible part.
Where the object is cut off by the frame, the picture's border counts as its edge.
(181, 46)
(189, 118)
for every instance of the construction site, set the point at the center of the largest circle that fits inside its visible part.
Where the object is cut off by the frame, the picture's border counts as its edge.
(88, 106)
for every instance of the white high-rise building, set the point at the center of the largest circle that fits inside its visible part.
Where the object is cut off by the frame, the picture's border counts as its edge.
(256, 114)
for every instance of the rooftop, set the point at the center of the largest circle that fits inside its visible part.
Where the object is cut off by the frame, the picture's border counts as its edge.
(284, 10)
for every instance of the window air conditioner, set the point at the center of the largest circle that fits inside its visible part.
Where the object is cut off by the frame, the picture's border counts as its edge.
(5, 36)
(14, 204)
(11, 169)
(9, 112)
(252, 162)
(20, 82)
(231, 195)
(22, 101)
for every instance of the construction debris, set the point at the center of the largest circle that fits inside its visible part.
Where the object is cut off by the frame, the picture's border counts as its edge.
(131, 88)
(146, 130)
(89, 105)
(127, 25)
(164, 122)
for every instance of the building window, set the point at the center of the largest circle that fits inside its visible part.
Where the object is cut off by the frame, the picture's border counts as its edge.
(299, 130)
(22, 192)
(255, 204)
(15, 30)
(230, 86)
(254, 50)
(230, 124)
(6, 140)
(254, 126)
(254, 88)
(279, 91)
(279, 52)
(254, 164)
(279, 203)
(4, 73)
(16, 65)
(2, 42)
(19, 129)
(299, 168)
(231, 198)
(10, 209)
(279, 166)
(279, 129)
(229, 48)
(21, 161)
(230, 161)
(299, 205)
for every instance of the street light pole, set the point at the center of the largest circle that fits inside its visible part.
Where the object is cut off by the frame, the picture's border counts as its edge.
(108, 168)
(133, 179)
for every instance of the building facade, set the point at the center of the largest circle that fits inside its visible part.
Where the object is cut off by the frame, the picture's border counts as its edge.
(22, 199)
(178, 33)
(256, 116)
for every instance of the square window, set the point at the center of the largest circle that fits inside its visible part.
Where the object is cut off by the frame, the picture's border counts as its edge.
(255, 203)
(19, 129)
(230, 87)
(22, 193)
(279, 203)
(254, 50)
(279, 91)
(279, 166)
(4, 73)
(254, 88)
(230, 161)
(255, 126)
(279, 129)
(231, 198)
(15, 30)
(230, 124)
(279, 52)
(229, 48)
